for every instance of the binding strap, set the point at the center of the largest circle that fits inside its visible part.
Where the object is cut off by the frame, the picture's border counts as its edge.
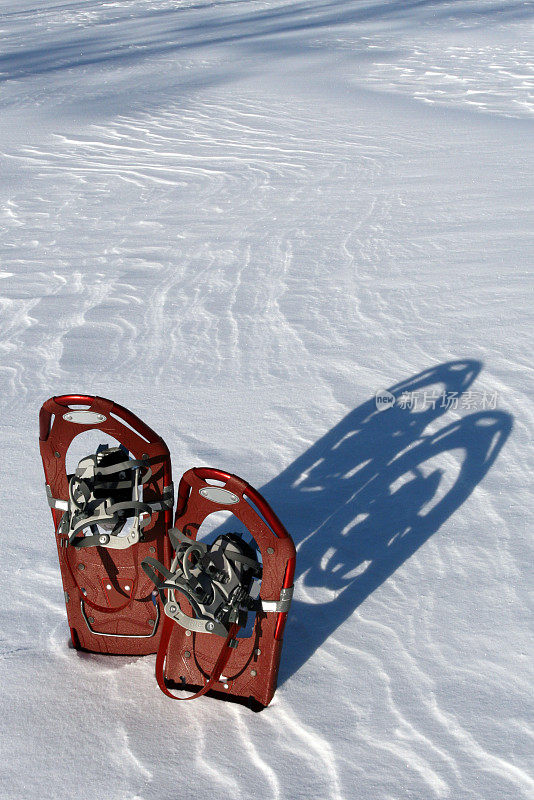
(96, 501)
(230, 586)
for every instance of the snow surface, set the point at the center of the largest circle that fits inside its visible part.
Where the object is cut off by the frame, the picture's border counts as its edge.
(242, 220)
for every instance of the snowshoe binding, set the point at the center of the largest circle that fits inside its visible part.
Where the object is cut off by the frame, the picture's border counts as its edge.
(110, 514)
(208, 593)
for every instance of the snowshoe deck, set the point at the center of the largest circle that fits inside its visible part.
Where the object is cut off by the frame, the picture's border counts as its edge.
(206, 594)
(111, 513)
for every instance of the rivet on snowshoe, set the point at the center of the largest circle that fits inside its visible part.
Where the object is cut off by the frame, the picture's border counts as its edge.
(270, 550)
(210, 626)
(253, 672)
(81, 567)
(187, 654)
(104, 539)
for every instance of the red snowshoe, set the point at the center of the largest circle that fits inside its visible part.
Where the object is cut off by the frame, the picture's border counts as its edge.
(209, 590)
(111, 513)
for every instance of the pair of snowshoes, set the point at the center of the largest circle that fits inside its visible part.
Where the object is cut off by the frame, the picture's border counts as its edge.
(135, 584)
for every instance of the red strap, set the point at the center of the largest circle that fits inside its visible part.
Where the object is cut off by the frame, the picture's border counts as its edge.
(222, 660)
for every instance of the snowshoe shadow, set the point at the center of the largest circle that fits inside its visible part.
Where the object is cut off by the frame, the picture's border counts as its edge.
(366, 496)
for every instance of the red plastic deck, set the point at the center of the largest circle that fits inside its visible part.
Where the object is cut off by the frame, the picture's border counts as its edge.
(189, 658)
(108, 597)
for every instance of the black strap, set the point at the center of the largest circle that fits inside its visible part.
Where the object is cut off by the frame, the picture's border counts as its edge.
(123, 466)
(148, 563)
(128, 505)
(248, 562)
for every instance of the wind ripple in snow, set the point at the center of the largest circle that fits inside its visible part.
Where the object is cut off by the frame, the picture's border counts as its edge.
(148, 223)
(243, 264)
